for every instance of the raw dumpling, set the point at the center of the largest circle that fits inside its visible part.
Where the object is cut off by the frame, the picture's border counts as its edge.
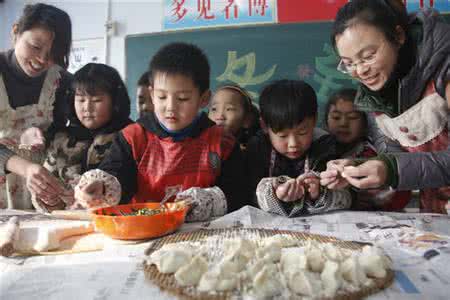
(283, 240)
(332, 252)
(352, 271)
(171, 257)
(316, 261)
(191, 273)
(270, 252)
(266, 284)
(218, 279)
(304, 282)
(331, 279)
(253, 269)
(292, 260)
(235, 261)
(373, 262)
(243, 246)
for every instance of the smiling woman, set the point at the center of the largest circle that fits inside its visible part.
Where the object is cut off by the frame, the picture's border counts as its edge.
(403, 66)
(33, 89)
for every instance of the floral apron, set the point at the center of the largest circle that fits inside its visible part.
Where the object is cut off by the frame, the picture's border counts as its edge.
(422, 128)
(13, 190)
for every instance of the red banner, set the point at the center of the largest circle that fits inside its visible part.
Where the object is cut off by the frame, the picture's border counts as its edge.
(290, 11)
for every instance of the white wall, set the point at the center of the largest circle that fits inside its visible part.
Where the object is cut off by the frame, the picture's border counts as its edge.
(88, 19)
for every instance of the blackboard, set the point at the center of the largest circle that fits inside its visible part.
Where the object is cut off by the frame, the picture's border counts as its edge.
(251, 56)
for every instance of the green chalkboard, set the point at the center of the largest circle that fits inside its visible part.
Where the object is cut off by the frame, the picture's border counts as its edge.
(250, 56)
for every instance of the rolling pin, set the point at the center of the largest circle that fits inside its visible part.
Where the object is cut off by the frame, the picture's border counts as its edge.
(8, 235)
(79, 214)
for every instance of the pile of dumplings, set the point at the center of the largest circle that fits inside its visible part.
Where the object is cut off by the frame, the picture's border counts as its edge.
(277, 266)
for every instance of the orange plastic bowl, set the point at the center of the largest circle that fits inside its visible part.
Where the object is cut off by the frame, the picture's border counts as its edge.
(111, 222)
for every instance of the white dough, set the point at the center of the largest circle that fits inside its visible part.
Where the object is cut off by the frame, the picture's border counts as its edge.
(46, 235)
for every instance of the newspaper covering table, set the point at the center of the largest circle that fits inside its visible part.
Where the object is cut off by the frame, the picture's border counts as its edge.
(417, 243)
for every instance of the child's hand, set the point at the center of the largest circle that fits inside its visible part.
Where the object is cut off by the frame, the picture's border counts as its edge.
(312, 184)
(8, 142)
(290, 191)
(331, 177)
(43, 184)
(32, 138)
(90, 195)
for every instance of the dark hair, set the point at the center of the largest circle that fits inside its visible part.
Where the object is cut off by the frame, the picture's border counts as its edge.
(144, 79)
(385, 15)
(246, 99)
(96, 78)
(54, 20)
(184, 59)
(346, 94)
(286, 103)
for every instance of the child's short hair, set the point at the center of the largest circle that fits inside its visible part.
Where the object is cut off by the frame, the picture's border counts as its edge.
(286, 103)
(185, 59)
(247, 101)
(144, 79)
(94, 78)
(346, 94)
(54, 20)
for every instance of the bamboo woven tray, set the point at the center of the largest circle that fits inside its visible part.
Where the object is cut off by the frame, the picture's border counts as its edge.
(167, 282)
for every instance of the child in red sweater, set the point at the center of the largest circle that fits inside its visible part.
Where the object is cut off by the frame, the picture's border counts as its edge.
(176, 147)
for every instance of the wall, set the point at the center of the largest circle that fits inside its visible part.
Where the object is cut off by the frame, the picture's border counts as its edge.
(88, 19)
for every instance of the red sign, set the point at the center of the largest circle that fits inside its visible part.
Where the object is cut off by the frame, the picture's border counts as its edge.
(290, 11)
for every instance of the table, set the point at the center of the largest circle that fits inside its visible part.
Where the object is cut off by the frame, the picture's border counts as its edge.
(116, 272)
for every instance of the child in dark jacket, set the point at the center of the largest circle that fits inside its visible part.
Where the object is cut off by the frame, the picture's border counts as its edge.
(98, 109)
(349, 126)
(175, 148)
(283, 160)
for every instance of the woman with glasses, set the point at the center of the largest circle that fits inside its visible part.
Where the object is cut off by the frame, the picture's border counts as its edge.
(403, 65)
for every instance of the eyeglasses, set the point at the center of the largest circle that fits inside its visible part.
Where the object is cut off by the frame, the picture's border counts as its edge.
(348, 68)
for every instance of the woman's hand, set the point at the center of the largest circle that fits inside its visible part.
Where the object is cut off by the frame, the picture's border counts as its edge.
(290, 191)
(332, 177)
(369, 175)
(41, 183)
